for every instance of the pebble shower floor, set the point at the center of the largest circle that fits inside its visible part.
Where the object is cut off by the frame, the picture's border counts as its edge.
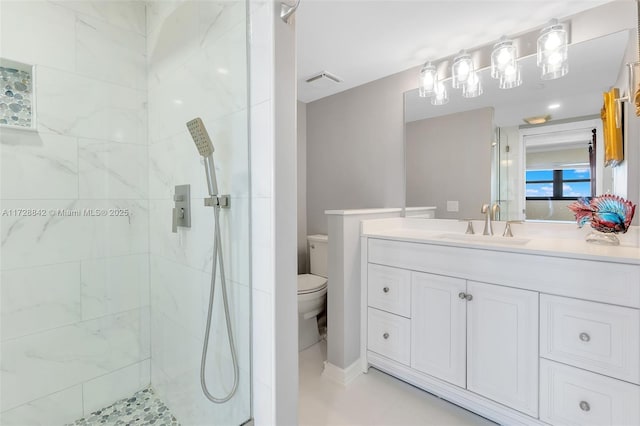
(143, 408)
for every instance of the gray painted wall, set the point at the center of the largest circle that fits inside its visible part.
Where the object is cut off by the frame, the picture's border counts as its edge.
(355, 149)
(447, 159)
(302, 188)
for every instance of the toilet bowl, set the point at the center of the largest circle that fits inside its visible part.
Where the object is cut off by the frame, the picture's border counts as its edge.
(312, 297)
(312, 292)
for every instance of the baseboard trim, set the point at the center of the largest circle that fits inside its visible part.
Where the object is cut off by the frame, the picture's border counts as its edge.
(342, 376)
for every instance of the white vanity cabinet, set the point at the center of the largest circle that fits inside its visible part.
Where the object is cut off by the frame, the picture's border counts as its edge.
(507, 335)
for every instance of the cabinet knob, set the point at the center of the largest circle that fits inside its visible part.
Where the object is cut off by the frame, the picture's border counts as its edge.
(585, 338)
(461, 295)
(468, 297)
(313, 246)
(584, 406)
(386, 289)
(386, 336)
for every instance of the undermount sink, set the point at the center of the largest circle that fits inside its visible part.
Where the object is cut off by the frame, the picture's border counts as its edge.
(485, 239)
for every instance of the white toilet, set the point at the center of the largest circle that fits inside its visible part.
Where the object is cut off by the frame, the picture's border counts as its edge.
(312, 292)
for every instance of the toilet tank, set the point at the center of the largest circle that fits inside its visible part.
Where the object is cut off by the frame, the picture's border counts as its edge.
(318, 253)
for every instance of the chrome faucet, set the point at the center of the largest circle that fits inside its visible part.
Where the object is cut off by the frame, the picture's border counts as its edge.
(490, 213)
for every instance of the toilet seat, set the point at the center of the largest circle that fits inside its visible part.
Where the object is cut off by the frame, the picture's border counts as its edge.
(309, 283)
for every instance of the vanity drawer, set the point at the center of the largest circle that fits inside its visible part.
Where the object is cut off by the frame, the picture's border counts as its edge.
(594, 336)
(389, 335)
(389, 289)
(570, 396)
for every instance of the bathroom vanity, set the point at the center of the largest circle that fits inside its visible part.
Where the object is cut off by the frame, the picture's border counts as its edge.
(542, 328)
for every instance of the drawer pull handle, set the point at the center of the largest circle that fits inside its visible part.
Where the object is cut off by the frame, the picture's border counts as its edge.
(585, 338)
(469, 297)
(386, 336)
(386, 289)
(584, 406)
(462, 296)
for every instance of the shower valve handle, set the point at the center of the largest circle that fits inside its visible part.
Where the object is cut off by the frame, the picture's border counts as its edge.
(174, 222)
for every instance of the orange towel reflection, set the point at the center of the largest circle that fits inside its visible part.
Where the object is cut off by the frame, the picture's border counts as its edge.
(613, 146)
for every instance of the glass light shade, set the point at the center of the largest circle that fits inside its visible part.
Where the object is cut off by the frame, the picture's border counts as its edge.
(473, 86)
(427, 80)
(503, 56)
(440, 96)
(461, 69)
(511, 77)
(553, 51)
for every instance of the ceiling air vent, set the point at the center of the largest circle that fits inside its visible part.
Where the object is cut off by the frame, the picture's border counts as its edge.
(323, 79)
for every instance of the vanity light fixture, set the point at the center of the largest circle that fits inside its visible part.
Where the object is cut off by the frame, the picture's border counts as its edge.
(552, 51)
(461, 69)
(427, 80)
(440, 95)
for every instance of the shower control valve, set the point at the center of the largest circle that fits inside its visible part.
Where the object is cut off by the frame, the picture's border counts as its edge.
(181, 208)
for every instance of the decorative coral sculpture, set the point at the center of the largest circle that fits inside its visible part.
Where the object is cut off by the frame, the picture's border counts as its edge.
(607, 213)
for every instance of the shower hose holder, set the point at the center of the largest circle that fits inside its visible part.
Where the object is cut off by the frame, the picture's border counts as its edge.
(222, 201)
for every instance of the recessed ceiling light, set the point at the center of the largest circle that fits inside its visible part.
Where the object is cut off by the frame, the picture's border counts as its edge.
(554, 106)
(540, 119)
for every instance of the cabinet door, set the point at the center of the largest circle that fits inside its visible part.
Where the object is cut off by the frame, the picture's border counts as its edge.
(502, 343)
(438, 324)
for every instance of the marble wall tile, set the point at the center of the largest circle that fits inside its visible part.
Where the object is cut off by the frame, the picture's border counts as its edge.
(44, 34)
(114, 284)
(103, 391)
(261, 52)
(128, 15)
(40, 298)
(175, 160)
(109, 53)
(31, 241)
(205, 86)
(180, 293)
(56, 409)
(33, 165)
(193, 246)
(66, 356)
(112, 170)
(176, 377)
(112, 112)
(179, 30)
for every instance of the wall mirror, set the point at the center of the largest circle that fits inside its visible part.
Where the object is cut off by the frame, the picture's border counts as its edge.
(472, 151)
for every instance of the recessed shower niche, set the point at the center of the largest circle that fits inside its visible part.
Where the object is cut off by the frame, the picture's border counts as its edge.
(17, 95)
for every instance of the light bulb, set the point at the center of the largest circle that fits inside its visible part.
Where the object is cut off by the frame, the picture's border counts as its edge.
(552, 54)
(427, 79)
(503, 55)
(460, 70)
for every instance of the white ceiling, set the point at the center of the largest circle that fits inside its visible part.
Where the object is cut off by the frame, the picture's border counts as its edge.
(363, 40)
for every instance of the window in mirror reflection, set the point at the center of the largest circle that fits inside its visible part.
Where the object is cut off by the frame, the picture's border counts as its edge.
(567, 184)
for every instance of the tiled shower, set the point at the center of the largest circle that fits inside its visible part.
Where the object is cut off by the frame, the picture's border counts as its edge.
(99, 299)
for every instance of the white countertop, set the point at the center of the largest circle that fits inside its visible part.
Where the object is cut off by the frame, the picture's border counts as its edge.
(548, 239)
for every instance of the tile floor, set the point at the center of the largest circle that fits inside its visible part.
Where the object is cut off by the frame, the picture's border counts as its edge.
(142, 409)
(372, 399)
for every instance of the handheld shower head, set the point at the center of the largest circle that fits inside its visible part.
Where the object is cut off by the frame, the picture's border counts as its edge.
(200, 136)
(205, 148)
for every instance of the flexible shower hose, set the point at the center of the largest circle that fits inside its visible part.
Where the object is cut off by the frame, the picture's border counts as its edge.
(217, 256)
